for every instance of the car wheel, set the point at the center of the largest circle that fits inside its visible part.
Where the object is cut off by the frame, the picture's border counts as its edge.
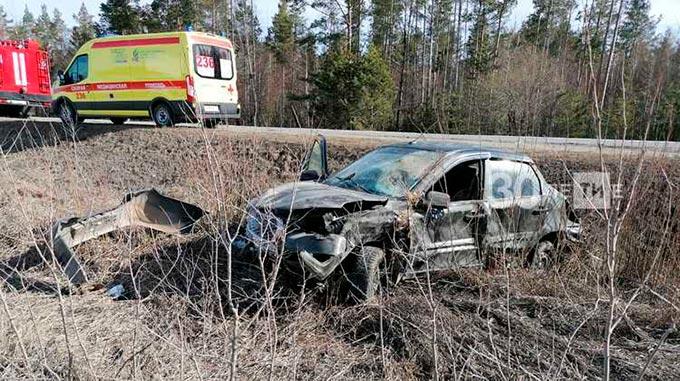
(543, 256)
(162, 115)
(11, 112)
(210, 123)
(364, 277)
(118, 121)
(67, 114)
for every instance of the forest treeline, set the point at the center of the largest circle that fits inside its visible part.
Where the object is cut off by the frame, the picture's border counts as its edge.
(449, 66)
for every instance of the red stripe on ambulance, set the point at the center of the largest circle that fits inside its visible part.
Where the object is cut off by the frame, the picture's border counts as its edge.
(113, 86)
(211, 41)
(136, 42)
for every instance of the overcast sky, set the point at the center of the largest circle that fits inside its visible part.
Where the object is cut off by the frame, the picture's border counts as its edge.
(668, 10)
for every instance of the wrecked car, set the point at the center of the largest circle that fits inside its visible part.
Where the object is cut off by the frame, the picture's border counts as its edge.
(408, 208)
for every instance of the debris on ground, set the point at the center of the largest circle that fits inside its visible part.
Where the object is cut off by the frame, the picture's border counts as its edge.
(147, 208)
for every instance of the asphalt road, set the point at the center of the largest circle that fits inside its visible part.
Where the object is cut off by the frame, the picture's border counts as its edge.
(515, 143)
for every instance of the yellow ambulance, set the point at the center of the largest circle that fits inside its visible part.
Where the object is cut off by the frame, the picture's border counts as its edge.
(168, 77)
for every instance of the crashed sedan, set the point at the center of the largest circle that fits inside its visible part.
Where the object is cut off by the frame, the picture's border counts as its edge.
(411, 207)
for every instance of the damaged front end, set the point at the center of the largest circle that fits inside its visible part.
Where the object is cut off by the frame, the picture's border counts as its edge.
(313, 225)
(300, 237)
(147, 208)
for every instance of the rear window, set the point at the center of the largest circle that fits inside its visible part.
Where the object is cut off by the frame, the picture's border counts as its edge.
(213, 62)
(511, 179)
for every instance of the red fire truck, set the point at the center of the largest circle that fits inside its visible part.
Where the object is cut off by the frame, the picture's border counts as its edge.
(24, 78)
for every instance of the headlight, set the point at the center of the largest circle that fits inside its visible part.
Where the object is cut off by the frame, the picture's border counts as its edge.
(263, 227)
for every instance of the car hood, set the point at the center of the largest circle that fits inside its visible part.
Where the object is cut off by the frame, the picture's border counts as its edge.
(312, 195)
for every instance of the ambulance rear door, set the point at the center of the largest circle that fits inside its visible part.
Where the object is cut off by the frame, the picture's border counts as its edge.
(214, 79)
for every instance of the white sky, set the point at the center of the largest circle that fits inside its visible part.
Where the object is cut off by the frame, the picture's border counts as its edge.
(668, 10)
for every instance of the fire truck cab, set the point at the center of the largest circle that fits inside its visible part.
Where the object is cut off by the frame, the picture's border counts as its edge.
(24, 78)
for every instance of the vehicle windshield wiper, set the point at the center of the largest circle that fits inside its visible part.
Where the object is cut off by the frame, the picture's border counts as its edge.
(350, 179)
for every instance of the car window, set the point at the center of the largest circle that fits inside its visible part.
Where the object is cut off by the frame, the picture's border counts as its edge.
(461, 182)
(315, 160)
(78, 70)
(530, 184)
(213, 62)
(387, 171)
(511, 179)
(225, 63)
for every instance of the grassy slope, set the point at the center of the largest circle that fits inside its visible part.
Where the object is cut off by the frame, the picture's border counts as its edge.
(175, 323)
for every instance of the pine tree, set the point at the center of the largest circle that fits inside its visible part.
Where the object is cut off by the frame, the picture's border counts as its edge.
(4, 24)
(374, 110)
(25, 28)
(479, 42)
(42, 29)
(549, 23)
(172, 15)
(385, 23)
(341, 21)
(84, 29)
(58, 41)
(50, 31)
(637, 25)
(297, 10)
(353, 20)
(215, 16)
(246, 30)
(246, 20)
(352, 91)
(281, 33)
(120, 16)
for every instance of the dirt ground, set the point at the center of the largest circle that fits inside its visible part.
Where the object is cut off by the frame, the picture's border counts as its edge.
(174, 320)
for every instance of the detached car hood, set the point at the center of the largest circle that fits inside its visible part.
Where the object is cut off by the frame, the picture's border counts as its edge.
(312, 195)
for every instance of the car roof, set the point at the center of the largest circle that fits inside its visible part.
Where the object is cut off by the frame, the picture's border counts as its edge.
(460, 149)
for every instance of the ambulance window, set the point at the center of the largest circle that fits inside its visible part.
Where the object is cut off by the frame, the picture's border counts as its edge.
(226, 68)
(213, 62)
(77, 71)
(204, 61)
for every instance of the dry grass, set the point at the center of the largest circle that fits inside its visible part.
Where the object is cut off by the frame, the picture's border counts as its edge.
(176, 320)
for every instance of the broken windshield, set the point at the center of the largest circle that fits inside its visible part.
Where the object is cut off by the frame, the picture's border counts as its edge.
(388, 171)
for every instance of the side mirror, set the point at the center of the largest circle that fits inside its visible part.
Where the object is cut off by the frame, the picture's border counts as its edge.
(310, 175)
(438, 200)
(60, 75)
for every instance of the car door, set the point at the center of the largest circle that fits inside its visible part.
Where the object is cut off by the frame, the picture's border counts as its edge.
(214, 75)
(448, 236)
(515, 202)
(75, 82)
(315, 164)
(533, 207)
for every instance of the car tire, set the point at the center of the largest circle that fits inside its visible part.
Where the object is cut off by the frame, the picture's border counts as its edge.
(210, 123)
(11, 112)
(67, 114)
(162, 116)
(118, 121)
(364, 276)
(543, 256)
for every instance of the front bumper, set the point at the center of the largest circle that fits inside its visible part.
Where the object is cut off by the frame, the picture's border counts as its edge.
(26, 100)
(318, 254)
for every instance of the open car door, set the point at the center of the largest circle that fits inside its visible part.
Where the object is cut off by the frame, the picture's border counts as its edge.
(315, 166)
